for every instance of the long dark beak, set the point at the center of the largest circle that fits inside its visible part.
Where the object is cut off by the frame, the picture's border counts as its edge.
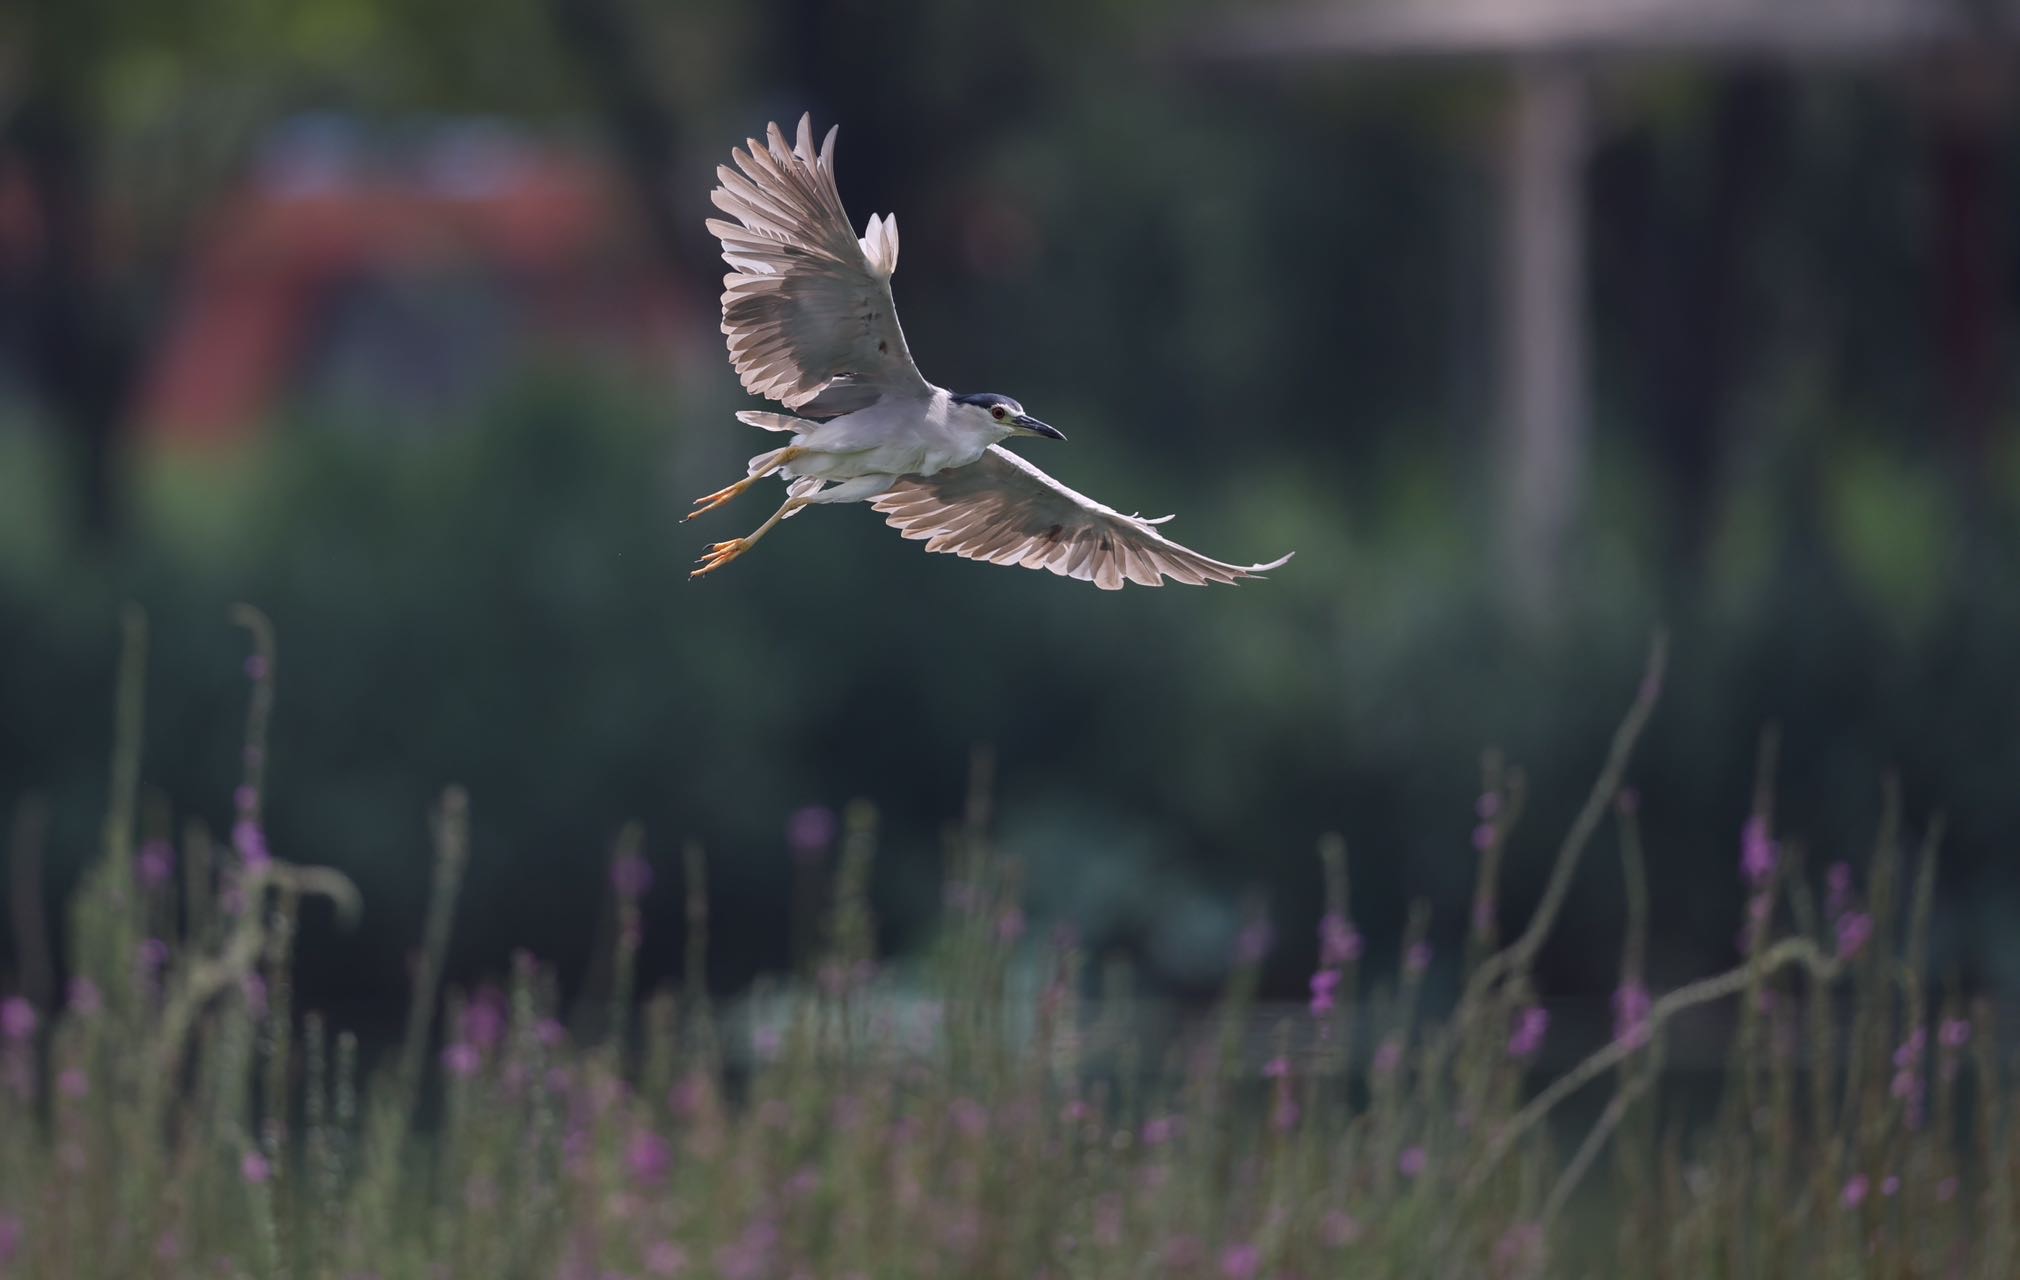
(1026, 422)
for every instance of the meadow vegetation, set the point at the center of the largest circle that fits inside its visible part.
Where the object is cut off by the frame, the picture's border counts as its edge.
(989, 1108)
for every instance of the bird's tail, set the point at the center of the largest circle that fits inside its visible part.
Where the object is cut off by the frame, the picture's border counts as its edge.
(775, 421)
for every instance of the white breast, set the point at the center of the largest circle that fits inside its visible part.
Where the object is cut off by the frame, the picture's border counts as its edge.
(895, 438)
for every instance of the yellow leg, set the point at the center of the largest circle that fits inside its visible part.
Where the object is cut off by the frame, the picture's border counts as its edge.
(782, 457)
(721, 553)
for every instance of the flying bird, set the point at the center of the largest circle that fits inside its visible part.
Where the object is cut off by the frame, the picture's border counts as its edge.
(808, 313)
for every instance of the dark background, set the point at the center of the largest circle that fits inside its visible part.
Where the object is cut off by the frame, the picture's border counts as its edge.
(398, 320)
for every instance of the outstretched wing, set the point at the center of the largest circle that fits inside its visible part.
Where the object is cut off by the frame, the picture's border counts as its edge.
(1006, 511)
(807, 306)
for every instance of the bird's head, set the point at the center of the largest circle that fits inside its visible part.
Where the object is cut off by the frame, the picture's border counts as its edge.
(1005, 415)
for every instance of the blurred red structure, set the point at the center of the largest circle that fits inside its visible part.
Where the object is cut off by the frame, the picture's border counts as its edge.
(563, 265)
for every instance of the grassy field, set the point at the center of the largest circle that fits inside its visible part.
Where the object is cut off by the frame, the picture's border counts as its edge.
(988, 1108)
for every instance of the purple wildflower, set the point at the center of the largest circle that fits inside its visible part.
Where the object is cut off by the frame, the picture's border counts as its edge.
(684, 1099)
(805, 1181)
(631, 875)
(1159, 1130)
(1910, 1051)
(666, 1259)
(462, 1060)
(1418, 957)
(1483, 913)
(550, 1033)
(10, 1238)
(1890, 1185)
(17, 1018)
(1531, 1024)
(1240, 1261)
(1756, 852)
(810, 831)
(254, 989)
(1838, 889)
(1488, 805)
(73, 1083)
(1338, 1229)
(251, 842)
(84, 998)
(1483, 837)
(1631, 1007)
(1253, 942)
(254, 1168)
(1010, 925)
(1388, 1056)
(1907, 1082)
(1855, 1190)
(1411, 1162)
(648, 1157)
(256, 667)
(154, 864)
(1855, 929)
(1339, 942)
(1324, 983)
(1276, 1068)
(1519, 1251)
(484, 1019)
(969, 1116)
(1955, 1033)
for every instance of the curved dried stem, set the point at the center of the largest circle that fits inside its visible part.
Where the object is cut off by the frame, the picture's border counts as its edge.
(1520, 953)
(208, 977)
(1617, 1107)
(260, 710)
(1788, 953)
(452, 851)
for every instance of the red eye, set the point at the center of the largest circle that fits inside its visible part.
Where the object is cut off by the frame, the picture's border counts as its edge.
(997, 413)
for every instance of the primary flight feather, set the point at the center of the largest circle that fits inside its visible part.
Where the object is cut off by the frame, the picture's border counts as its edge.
(807, 311)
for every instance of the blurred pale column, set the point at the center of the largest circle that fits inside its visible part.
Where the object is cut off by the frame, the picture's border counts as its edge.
(1968, 49)
(1544, 422)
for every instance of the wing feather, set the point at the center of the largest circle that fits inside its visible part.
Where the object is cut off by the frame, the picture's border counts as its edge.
(1003, 510)
(807, 306)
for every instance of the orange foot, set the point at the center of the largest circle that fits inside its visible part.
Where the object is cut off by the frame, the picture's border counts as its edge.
(720, 554)
(702, 506)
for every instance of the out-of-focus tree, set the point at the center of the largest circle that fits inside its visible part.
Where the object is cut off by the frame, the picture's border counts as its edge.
(122, 121)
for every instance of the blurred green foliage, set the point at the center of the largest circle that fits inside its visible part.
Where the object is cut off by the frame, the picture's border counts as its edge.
(984, 1108)
(1257, 297)
(502, 604)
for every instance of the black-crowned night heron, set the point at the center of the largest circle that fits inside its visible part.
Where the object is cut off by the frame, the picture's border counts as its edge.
(808, 311)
